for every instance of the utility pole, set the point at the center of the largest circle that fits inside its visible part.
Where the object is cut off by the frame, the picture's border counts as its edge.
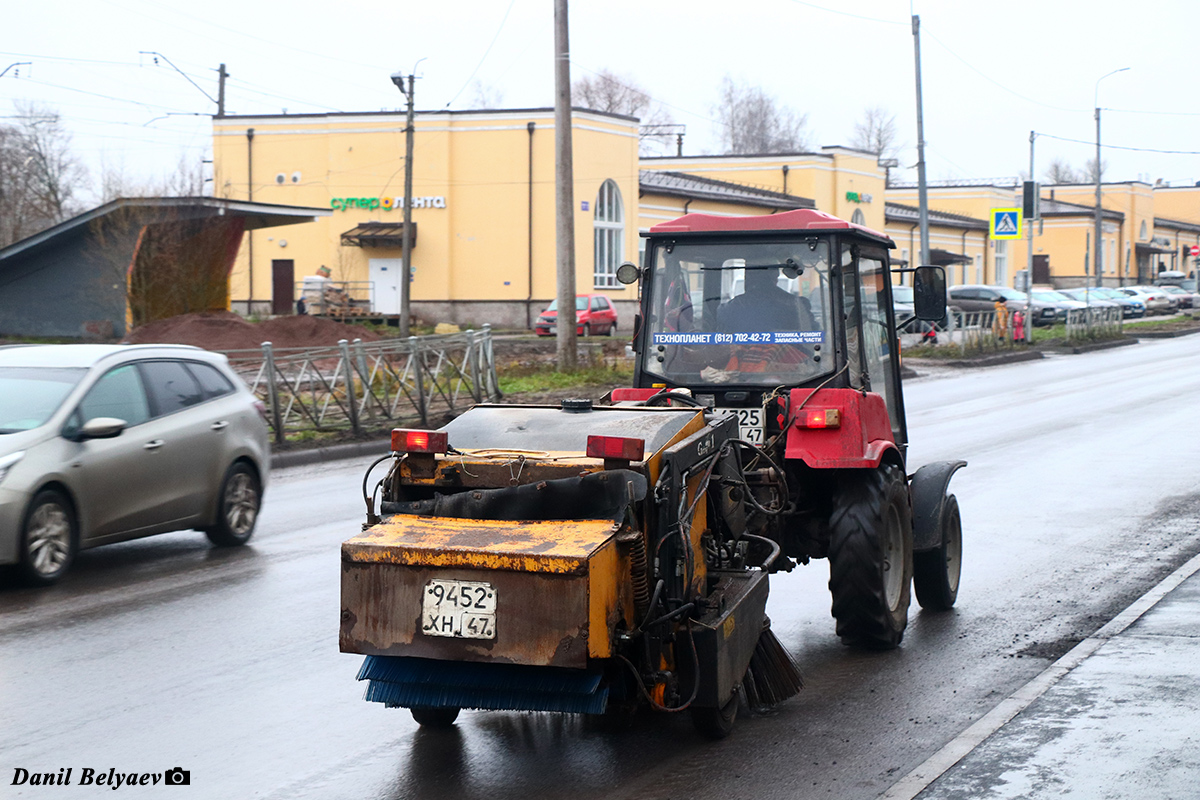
(250, 232)
(1099, 242)
(1029, 260)
(1098, 224)
(564, 196)
(221, 76)
(406, 234)
(922, 189)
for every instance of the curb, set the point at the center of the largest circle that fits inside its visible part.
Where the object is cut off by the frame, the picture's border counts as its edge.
(916, 781)
(1089, 348)
(1162, 334)
(337, 452)
(987, 361)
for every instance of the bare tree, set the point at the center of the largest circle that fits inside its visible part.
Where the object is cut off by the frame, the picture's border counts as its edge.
(620, 94)
(39, 176)
(486, 96)
(753, 121)
(876, 133)
(1089, 170)
(1059, 171)
(55, 172)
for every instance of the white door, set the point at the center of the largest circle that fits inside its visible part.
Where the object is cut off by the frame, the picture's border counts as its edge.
(385, 285)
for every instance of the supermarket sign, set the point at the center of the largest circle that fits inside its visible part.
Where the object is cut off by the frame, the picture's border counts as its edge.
(386, 203)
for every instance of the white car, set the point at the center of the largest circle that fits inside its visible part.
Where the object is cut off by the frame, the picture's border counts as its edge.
(104, 443)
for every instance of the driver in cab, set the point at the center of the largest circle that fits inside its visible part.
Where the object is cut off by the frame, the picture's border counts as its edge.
(764, 307)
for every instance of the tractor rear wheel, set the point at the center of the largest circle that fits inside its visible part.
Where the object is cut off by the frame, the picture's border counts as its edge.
(870, 558)
(936, 572)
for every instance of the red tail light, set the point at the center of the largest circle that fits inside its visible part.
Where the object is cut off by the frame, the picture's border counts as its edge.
(819, 418)
(408, 440)
(262, 409)
(616, 447)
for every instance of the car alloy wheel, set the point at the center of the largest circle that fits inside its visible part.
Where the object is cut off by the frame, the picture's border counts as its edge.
(48, 543)
(241, 503)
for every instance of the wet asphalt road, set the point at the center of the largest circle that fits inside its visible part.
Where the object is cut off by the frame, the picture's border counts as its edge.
(1081, 493)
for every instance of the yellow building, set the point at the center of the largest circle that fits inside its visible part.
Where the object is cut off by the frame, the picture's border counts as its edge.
(482, 207)
(846, 183)
(957, 242)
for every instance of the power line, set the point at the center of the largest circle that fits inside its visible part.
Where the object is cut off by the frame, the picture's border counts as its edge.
(905, 23)
(485, 54)
(1119, 147)
(992, 80)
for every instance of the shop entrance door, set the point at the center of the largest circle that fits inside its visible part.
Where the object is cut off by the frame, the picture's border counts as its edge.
(385, 284)
(283, 282)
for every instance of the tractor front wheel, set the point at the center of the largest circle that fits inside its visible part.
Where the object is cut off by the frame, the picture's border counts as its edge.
(870, 557)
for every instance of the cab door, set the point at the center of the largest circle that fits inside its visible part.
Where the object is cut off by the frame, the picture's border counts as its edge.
(872, 344)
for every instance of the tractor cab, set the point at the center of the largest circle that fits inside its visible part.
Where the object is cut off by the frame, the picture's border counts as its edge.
(735, 309)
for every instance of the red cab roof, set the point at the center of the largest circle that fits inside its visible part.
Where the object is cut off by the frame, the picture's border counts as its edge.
(804, 219)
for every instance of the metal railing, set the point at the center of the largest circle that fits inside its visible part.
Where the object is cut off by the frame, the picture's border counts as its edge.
(359, 385)
(1094, 322)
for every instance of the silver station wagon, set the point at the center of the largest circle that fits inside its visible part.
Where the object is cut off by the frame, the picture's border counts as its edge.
(104, 443)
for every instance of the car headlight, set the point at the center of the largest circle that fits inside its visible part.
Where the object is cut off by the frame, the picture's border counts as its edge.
(7, 462)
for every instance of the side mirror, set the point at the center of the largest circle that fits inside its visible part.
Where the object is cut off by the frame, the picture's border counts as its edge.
(929, 293)
(102, 428)
(628, 273)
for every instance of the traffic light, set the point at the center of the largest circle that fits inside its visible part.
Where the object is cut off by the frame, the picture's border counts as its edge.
(1030, 200)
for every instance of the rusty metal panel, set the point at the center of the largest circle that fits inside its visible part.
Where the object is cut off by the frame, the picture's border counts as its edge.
(541, 618)
(550, 428)
(558, 546)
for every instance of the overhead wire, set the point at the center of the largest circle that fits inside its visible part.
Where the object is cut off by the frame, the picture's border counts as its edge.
(486, 52)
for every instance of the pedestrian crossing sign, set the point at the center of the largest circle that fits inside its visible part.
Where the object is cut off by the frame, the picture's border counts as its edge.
(1005, 223)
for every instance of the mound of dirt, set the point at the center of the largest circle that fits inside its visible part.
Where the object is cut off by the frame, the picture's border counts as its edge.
(224, 330)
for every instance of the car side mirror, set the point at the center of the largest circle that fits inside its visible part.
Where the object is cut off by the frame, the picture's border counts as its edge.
(628, 273)
(102, 428)
(929, 293)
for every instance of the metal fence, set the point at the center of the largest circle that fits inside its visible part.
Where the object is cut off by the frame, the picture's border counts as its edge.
(359, 385)
(1094, 322)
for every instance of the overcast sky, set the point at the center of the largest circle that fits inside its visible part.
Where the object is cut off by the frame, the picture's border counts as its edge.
(992, 72)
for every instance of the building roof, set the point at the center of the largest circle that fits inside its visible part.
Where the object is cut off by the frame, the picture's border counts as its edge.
(694, 187)
(1061, 208)
(897, 212)
(258, 215)
(986, 183)
(1176, 224)
(431, 112)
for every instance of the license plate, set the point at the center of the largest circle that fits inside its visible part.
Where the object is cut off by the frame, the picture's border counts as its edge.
(554, 329)
(459, 609)
(750, 423)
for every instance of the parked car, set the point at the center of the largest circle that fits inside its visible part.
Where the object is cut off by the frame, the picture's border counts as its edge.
(1061, 302)
(1155, 300)
(594, 313)
(1186, 299)
(983, 298)
(104, 443)
(1171, 277)
(1107, 298)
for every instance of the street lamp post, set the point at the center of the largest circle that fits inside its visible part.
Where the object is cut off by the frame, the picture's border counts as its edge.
(398, 78)
(1099, 243)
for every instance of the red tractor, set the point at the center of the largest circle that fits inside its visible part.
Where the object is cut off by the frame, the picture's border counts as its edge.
(599, 558)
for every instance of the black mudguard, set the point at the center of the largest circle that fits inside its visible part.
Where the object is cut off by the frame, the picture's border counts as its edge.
(928, 492)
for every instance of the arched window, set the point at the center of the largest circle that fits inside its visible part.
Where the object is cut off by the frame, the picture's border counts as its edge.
(609, 227)
(858, 218)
